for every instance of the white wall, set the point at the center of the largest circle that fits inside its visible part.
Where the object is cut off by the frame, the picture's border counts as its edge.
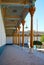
(2, 31)
(9, 40)
(25, 39)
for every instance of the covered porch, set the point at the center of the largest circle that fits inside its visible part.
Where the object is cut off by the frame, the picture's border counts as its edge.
(12, 14)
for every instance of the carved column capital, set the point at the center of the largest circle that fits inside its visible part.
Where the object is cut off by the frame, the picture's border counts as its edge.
(18, 27)
(23, 22)
(32, 10)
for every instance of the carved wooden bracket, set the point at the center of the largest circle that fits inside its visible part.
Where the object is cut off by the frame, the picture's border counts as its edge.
(32, 10)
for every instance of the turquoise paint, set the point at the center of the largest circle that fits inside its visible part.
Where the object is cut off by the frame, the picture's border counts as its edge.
(1, 49)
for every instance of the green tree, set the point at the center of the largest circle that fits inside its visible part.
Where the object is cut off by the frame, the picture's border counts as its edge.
(42, 38)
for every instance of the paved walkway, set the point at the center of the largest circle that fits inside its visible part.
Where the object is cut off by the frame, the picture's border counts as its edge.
(14, 55)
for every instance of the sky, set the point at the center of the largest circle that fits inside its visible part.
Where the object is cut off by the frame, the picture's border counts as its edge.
(38, 17)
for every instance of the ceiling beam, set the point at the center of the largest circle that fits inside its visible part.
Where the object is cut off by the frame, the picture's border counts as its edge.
(15, 1)
(10, 23)
(10, 28)
(12, 16)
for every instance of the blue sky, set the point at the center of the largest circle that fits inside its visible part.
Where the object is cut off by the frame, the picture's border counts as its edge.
(38, 16)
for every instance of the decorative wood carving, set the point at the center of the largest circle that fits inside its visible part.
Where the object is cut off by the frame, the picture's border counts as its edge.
(32, 10)
(23, 22)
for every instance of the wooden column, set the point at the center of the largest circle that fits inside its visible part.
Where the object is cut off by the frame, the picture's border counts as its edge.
(31, 10)
(18, 35)
(23, 32)
(15, 37)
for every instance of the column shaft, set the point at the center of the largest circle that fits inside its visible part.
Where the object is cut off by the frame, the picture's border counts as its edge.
(23, 36)
(18, 36)
(23, 22)
(31, 33)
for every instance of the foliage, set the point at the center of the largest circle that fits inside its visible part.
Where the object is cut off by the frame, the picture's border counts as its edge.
(37, 43)
(42, 38)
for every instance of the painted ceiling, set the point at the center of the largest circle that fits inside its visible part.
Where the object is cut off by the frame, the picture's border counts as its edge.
(13, 12)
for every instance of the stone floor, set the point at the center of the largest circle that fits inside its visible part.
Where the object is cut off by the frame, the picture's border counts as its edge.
(14, 55)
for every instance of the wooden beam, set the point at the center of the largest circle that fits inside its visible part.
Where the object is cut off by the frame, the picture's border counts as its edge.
(12, 16)
(9, 23)
(9, 26)
(15, 1)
